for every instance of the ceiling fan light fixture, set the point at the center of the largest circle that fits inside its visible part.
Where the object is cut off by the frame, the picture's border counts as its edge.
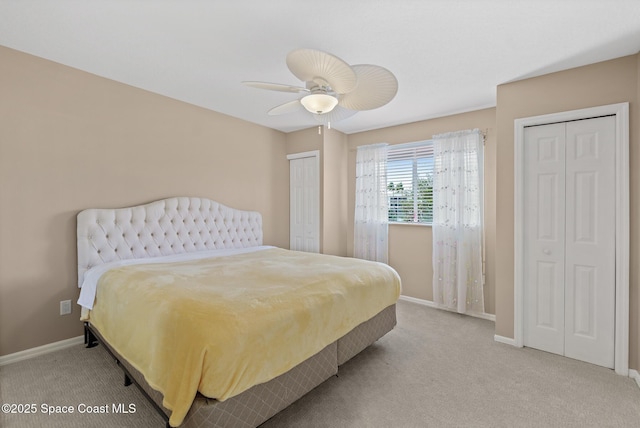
(319, 103)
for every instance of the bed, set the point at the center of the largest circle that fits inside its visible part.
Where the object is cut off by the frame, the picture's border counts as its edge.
(217, 329)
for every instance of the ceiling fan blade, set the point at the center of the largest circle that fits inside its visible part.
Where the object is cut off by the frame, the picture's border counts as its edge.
(275, 86)
(376, 87)
(288, 107)
(310, 64)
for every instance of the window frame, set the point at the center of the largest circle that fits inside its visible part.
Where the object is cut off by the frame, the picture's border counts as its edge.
(428, 146)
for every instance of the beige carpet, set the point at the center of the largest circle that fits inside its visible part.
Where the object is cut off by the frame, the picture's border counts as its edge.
(435, 369)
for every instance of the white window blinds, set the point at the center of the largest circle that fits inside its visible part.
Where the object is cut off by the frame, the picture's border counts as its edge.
(410, 182)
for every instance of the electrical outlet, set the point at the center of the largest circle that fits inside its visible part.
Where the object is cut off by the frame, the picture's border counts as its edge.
(65, 307)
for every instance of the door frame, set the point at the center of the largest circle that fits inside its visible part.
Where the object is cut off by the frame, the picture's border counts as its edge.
(621, 112)
(310, 154)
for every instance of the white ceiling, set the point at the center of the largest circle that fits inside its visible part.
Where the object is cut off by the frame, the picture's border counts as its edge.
(448, 55)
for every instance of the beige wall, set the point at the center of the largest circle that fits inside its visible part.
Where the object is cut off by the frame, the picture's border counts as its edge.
(332, 146)
(334, 200)
(306, 140)
(70, 140)
(597, 84)
(410, 246)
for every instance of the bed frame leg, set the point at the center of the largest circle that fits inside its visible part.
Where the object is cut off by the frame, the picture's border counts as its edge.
(127, 379)
(90, 339)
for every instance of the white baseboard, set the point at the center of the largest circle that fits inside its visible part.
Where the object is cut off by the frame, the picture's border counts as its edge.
(422, 302)
(633, 374)
(505, 340)
(40, 350)
(431, 304)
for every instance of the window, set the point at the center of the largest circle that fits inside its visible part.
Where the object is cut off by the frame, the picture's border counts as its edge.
(410, 182)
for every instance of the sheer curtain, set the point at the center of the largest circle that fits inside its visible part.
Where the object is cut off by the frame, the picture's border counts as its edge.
(371, 211)
(457, 221)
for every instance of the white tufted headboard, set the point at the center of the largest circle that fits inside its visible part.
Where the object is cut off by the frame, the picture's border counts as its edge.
(161, 228)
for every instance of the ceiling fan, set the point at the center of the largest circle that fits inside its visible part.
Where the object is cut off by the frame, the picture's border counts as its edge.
(333, 90)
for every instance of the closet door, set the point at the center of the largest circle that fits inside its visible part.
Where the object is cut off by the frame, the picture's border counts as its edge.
(569, 239)
(590, 241)
(544, 237)
(304, 216)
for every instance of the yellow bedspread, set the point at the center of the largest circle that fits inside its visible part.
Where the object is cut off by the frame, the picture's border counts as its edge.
(222, 325)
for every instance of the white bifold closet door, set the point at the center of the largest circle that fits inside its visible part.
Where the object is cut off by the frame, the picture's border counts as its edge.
(304, 198)
(569, 239)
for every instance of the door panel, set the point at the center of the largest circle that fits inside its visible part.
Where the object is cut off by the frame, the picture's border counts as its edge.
(311, 224)
(546, 285)
(590, 241)
(584, 301)
(296, 204)
(304, 215)
(544, 182)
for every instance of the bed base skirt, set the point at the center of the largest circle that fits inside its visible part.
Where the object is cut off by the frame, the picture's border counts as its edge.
(259, 403)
